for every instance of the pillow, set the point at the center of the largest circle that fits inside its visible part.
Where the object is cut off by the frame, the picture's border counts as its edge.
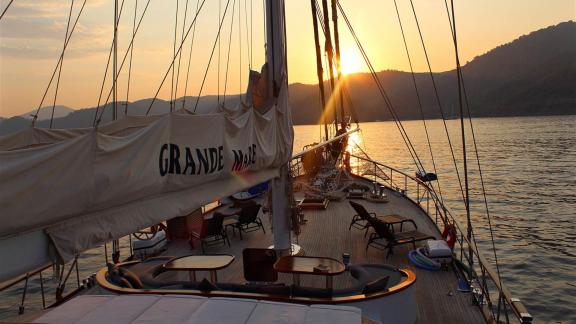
(377, 285)
(131, 277)
(115, 278)
(359, 273)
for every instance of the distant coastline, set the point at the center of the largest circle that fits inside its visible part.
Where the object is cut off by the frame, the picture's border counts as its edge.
(534, 75)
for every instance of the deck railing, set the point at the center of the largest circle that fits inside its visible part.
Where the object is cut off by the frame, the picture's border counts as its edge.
(494, 300)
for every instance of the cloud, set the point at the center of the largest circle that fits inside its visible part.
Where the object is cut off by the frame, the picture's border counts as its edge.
(48, 53)
(36, 30)
(46, 8)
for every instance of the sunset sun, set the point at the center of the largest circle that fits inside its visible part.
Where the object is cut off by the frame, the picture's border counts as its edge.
(351, 62)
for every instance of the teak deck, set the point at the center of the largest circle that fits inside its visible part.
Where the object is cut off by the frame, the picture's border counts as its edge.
(326, 234)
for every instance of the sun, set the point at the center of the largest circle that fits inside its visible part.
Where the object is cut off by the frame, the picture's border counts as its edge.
(351, 62)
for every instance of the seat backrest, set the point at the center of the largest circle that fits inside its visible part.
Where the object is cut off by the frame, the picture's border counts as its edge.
(248, 214)
(212, 226)
(259, 265)
(360, 210)
(381, 228)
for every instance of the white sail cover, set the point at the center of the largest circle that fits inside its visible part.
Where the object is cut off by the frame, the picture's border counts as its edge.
(87, 186)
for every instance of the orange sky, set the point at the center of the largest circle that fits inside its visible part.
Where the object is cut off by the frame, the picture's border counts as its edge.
(32, 33)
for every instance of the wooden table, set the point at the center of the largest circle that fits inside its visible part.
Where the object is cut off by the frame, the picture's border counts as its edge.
(297, 265)
(193, 263)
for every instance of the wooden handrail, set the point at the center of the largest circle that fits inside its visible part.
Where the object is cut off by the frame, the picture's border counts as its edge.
(408, 279)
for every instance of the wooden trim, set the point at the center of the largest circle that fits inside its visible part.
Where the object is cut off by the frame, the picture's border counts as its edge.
(408, 279)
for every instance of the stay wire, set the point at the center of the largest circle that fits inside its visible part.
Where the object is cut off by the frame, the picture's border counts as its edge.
(61, 64)
(174, 54)
(247, 34)
(59, 61)
(240, 49)
(437, 96)
(383, 92)
(229, 50)
(106, 71)
(180, 55)
(212, 54)
(419, 100)
(219, 55)
(488, 216)
(124, 59)
(130, 64)
(6, 9)
(174, 58)
(190, 57)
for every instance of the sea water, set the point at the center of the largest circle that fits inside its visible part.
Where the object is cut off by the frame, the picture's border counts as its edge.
(529, 170)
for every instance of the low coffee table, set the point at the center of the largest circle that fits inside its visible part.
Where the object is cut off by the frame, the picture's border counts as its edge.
(297, 265)
(193, 263)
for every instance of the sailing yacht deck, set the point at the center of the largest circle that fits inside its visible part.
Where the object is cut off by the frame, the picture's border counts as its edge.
(326, 234)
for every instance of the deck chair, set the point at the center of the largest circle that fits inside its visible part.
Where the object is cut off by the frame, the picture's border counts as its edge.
(360, 220)
(382, 231)
(259, 265)
(247, 220)
(212, 232)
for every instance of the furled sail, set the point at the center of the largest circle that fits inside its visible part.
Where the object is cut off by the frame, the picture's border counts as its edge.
(85, 187)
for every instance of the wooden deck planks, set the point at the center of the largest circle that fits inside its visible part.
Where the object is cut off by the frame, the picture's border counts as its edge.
(326, 234)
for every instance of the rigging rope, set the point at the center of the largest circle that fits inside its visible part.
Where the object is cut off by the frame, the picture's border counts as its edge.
(180, 55)
(131, 54)
(418, 100)
(452, 29)
(219, 56)
(251, 32)
(123, 61)
(106, 71)
(212, 53)
(174, 54)
(61, 64)
(383, 92)
(190, 57)
(438, 99)
(6, 9)
(174, 58)
(239, 50)
(228, 55)
(247, 35)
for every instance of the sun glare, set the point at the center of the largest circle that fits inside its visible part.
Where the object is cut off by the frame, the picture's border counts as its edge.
(351, 62)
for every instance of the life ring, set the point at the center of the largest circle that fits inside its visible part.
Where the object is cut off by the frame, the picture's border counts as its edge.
(449, 235)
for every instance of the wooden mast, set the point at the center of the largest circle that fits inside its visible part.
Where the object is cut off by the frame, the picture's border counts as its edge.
(463, 133)
(277, 79)
(338, 65)
(115, 62)
(319, 69)
(330, 53)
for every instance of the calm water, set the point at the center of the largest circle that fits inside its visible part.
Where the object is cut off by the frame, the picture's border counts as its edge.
(529, 166)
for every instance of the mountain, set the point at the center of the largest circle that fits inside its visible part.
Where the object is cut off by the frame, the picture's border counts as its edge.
(46, 112)
(532, 75)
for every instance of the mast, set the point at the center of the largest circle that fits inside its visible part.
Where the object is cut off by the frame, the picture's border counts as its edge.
(330, 53)
(462, 130)
(277, 79)
(319, 69)
(115, 61)
(338, 65)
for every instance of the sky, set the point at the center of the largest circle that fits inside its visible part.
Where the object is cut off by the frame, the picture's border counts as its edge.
(32, 37)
